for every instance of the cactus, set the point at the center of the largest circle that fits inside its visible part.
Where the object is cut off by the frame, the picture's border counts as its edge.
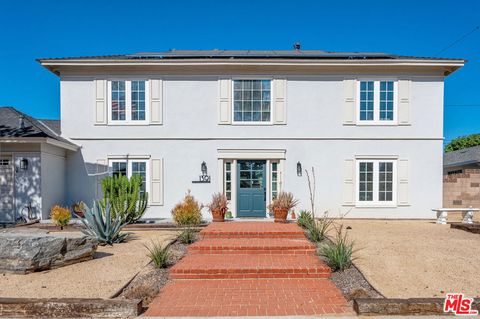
(100, 224)
(124, 196)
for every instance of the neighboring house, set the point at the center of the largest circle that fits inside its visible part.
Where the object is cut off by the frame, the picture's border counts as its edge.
(32, 166)
(370, 123)
(461, 178)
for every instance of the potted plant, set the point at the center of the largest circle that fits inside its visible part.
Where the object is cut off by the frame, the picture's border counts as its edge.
(79, 208)
(218, 207)
(281, 205)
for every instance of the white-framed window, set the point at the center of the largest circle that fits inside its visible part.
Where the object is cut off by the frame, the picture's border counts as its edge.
(274, 179)
(376, 181)
(130, 167)
(377, 102)
(228, 179)
(252, 101)
(128, 101)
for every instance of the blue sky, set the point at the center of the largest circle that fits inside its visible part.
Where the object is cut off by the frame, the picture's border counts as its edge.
(35, 29)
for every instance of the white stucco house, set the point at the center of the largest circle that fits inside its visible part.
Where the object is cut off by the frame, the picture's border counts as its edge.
(370, 123)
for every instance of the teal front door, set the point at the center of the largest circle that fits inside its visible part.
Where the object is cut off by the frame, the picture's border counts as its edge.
(251, 200)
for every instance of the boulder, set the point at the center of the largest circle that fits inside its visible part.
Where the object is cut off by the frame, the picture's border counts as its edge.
(29, 249)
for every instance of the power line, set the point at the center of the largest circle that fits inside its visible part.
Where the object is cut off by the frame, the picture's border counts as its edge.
(462, 105)
(459, 39)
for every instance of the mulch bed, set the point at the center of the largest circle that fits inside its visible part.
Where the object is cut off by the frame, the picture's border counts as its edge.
(150, 280)
(353, 285)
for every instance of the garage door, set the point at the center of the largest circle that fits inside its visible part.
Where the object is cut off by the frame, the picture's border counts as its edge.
(7, 212)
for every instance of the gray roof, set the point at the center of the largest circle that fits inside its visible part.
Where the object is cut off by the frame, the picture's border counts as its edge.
(247, 54)
(10, 125)
(465, 156)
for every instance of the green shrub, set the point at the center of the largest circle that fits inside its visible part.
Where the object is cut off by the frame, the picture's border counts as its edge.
(339, 252)
(159, 254)
(187, 235)
(100, 224)
(304, 219)
(317, 229)
(187, 212)
(124, 196)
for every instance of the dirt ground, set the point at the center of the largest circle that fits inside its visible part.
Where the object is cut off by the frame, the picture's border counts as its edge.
(405, 259)
(112, 267)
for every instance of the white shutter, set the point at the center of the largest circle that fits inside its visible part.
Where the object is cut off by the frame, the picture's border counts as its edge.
(403, 172)
(349, 182)
(403, 102)
(279, 103)
(102, 167)
(156, 101)
(225, 105)
(100, 102)
(156, 182)
(349, 105)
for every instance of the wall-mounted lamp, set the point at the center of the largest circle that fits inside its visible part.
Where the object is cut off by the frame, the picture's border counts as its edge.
(24, 164)
(299, 169)
(204, 168)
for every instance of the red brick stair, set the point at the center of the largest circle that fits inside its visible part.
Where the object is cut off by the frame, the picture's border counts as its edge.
(267, 246)
(250, 269)
(251, 230)
(207, 266)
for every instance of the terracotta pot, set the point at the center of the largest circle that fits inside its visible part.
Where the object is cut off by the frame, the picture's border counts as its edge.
(280, 215)
(218, 216)
(79, 214)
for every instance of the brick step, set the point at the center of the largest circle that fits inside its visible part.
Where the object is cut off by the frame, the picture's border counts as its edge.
(252, 230)
(274, 246)
(257, 297)
(206, 266)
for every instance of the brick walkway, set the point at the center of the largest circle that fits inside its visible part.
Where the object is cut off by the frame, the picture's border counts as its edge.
(250, 269)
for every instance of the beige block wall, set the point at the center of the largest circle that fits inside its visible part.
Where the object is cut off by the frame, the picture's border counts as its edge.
(462, 190)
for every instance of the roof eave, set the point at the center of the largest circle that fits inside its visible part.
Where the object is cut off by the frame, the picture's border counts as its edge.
(449, 65)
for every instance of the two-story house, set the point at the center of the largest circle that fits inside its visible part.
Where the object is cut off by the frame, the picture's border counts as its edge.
(371, 124)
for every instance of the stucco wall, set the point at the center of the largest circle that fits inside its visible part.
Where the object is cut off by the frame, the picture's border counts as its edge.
(314, 110)
(314, 135)
(53, 179)
(182, 165)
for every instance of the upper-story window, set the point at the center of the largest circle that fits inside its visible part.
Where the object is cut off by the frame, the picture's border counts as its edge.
(252, 101)
(128, 102)
(377, 102)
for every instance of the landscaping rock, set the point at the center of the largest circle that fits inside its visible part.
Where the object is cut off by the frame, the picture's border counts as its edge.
(27, 250)
(400, 307)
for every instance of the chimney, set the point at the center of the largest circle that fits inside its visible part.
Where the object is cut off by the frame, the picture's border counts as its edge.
(297, 46)
(21, 122)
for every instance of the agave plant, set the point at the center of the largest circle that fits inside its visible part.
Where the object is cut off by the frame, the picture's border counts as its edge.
(98, 223)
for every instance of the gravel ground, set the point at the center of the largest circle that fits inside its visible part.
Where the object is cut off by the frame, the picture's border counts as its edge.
(147, 284)
(406, 259)
(353, 285)
(111, 269)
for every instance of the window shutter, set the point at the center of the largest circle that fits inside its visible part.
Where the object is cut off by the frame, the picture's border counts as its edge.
(100, 102)
(403, 195)
(349, 183)
(102, 169)
(156, 102)
(156, 183)
(225, 106)
(403, 102)
(349, 105)
(279, 103)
